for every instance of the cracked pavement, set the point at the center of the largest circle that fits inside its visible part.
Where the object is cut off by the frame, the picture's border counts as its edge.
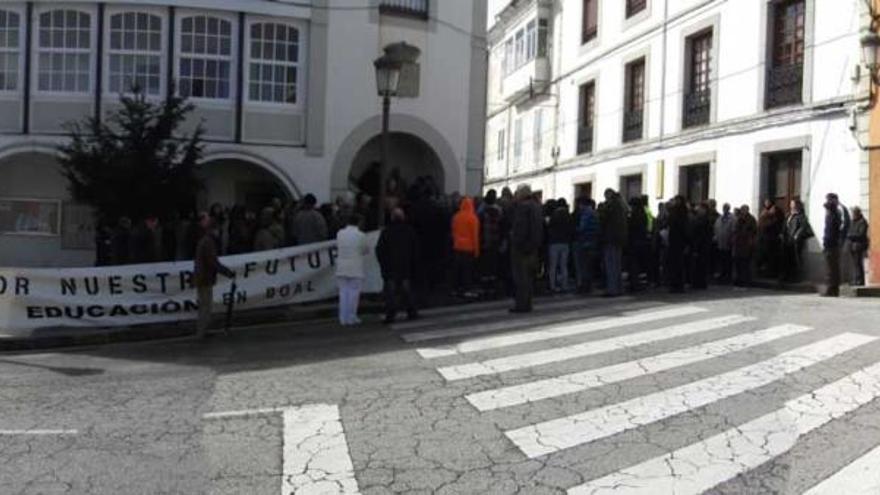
(691, 412)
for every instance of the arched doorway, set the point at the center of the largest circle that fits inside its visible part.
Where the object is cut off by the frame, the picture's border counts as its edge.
(409, 158)
(231, 181)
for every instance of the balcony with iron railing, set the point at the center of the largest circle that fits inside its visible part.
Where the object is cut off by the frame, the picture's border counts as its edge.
(633, 125)
(585, 140)
(697, 108)
(785, 85)
(409, 8)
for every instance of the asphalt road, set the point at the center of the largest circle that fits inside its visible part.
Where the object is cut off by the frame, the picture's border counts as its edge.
(724, 392)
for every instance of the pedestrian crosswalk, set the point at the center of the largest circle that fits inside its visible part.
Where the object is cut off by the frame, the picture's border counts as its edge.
(563, 359)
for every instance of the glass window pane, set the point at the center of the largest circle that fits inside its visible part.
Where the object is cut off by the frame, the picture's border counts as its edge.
(187, 44)
(187, 25)
(200, 25)
(254, 93)
(155, 42)
(226, 28)
(226, 46)
(213, 26)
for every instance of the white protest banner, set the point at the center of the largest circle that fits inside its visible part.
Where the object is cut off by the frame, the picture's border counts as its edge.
(37, 298)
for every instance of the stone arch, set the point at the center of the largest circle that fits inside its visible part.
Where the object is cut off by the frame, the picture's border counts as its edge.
(399, 123)
(254, 159)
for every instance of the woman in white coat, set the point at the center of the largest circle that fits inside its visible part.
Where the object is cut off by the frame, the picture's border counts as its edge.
(352, 248)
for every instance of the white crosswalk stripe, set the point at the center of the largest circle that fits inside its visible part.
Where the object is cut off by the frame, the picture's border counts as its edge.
(861, 477)
(703, 465)
(558, 434)
(548, 333)
(579, 382)
(555, 355)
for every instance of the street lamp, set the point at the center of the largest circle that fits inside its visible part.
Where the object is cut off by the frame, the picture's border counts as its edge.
(870, 42)
(388, 69)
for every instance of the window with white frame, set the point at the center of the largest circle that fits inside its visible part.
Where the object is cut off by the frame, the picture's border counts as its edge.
(274, 63)
(517, 141)
(64, 51)
(502, 144)
(135, 50)
(531, 40)
(205, 57)
(509, 62)
(520, 48)
(9, 50)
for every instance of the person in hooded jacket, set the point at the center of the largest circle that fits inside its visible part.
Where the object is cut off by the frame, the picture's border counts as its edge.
(397, 252)
(465, 245)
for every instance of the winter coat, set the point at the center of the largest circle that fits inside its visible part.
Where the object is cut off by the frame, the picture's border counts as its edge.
(560, 229)
(309, 227)
(832, 237)
(351, 248)
(397, 251)
(744, 236)
(797, 230)
(527, 229)
(206, 263)
(724, 226)
(614, 223)
(491, 228)
(466, 229)
(858, 236)
(587, 231)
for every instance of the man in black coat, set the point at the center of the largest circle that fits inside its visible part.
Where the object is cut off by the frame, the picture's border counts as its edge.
(526, 239)
(832, 239)
(397, 254)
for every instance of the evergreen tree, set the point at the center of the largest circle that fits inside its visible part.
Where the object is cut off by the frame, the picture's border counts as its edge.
(135, 163)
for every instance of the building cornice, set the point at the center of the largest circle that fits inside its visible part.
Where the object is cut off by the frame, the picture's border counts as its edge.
(752, 123)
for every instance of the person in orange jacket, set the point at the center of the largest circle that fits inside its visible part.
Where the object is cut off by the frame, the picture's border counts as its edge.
(465, 245)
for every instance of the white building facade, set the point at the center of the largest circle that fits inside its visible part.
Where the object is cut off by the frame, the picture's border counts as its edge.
(739, 101)
(285, 89)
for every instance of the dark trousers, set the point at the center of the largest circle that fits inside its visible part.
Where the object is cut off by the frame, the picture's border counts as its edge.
(675, 268)
(724, 266)
(743, 265)
(858, 267)
(789, 263)
(700, 273)
(398, 292)
(585, 258)
(463, 271)
(832, 265)
(524, 267)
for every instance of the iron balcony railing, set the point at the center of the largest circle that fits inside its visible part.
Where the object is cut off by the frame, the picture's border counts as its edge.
(632, 125)
(785, 85)
(414, 8)
(585, 140)
(697, 107)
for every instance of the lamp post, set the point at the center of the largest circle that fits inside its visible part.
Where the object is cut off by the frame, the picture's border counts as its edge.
(870, 42)
(387, 82)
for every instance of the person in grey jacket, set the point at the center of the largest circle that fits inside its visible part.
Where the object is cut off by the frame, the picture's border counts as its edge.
(723, 237)
(858, 245)
(309, 226)
(526, 239)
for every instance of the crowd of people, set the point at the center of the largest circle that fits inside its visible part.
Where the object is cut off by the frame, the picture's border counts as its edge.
(512, 243)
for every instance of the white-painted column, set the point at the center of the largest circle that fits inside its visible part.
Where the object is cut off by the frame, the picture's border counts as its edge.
(701, 466)
(570, 431)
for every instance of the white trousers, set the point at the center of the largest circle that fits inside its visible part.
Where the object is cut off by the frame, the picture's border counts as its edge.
(349, 298)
